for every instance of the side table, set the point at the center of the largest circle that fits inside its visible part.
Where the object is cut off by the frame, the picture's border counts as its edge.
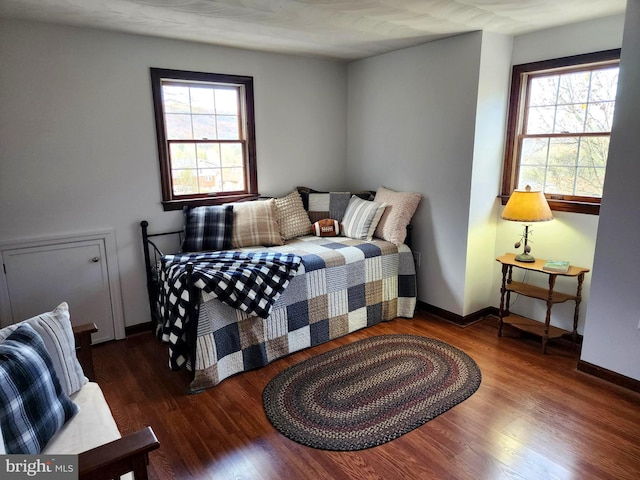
(543, 329)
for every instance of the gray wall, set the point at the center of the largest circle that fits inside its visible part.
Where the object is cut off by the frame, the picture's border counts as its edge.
(411, 122)
(77, 136)
(612, 332)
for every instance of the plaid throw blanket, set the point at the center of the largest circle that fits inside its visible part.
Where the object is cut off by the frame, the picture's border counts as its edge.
(249, 281)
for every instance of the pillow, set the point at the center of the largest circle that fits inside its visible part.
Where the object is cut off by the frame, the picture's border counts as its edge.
(326, 227)
(292, 217)
(255, 223)
(396, 217)
(33, 406)
(208, 228)
(361, 218)
(321, 205)
(55, 330)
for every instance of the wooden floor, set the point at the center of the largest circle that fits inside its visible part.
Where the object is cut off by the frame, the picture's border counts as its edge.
(533, 417)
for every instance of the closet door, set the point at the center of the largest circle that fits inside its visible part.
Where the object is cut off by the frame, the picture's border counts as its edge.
(41, 277)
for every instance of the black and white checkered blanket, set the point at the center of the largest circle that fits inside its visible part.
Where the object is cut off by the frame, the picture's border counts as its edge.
(249, 281)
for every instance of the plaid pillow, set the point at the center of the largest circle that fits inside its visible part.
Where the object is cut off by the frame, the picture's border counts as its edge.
(55, 330)
(361, 218)
(255, 223)
(208, 228)
(33, 406)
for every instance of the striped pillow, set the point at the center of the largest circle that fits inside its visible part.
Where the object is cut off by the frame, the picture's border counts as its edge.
(33, 406)
(255, 223)
(361, 218)
(55, 330)
(208, 228)
(396, 217)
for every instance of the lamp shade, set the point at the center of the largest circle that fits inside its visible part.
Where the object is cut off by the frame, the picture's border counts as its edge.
(527, 206)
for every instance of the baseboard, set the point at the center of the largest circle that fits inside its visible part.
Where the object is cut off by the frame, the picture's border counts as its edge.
(462, 321)
(138, 328)
(609, 376)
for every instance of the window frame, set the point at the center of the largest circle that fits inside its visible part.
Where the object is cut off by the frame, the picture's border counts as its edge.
(169, 200)
(516, 116)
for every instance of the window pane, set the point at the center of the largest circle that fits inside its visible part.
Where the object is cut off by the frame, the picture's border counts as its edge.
(534, 151)
(202, 100)
(540, 120)
(594, 151)
(210, 180)
(232, 179)
(560, 180)
(590, 181)
(227, 101)
(604, 84)
(533, 176)
(185, 182)
(563, 152)
(209, 155)
(176, 99)
(183, 155)
(574, 87)
(204, 127)
(570, 118)
(228, 127)
(179, 127)
(231, 154)
(544, 91)
(600, 117)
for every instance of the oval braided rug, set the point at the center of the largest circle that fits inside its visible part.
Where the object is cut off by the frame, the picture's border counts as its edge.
(369, 392)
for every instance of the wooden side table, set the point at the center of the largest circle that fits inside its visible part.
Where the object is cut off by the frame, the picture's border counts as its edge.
(543, 329)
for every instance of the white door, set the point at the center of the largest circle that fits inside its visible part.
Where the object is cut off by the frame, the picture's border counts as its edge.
(40, 278)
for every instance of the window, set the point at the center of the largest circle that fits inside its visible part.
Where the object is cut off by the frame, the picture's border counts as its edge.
(558, 129)
(206, 137)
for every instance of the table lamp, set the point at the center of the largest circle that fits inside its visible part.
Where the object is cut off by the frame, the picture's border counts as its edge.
(527, 206)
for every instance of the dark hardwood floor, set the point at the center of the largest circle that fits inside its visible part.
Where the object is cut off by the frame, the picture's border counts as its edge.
(534, 417)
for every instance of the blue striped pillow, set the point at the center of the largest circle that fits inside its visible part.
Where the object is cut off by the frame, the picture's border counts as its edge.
(208, 228)
(33, 406)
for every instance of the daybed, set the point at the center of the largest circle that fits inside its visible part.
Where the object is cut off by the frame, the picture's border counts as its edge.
(331, 285)
(45, 347)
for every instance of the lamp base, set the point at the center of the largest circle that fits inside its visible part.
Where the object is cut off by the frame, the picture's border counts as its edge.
(525, 258)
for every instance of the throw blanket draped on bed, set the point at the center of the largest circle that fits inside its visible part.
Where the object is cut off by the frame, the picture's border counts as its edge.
(248, 281)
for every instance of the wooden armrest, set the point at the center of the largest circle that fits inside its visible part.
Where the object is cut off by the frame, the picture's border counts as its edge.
(82, 334)
(127, 454)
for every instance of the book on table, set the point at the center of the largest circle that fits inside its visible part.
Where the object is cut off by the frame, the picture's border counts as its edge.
(558, 266)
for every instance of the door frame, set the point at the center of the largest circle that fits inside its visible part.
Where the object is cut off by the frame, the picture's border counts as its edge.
(113, 272)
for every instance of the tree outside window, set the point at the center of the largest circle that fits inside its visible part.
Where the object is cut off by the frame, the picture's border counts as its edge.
(559, 126)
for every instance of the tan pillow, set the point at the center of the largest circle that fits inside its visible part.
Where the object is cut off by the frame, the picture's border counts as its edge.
(254, 223)
(401, 206)
(292, 217)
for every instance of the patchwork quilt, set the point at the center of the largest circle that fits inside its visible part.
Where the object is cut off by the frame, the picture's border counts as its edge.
(342, 285)
(248, 281)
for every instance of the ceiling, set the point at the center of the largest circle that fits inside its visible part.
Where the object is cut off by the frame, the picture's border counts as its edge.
(340, 29)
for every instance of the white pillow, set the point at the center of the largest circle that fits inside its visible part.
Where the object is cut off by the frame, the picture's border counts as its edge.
(361, 218)
(55, 329)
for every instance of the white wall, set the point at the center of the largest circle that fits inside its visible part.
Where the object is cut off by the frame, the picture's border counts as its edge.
(490, 130)
(411, 121)
(612, 332)
(77, 136)
(570, 236)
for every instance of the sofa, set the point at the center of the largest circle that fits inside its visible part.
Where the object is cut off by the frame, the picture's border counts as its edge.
(46, 363)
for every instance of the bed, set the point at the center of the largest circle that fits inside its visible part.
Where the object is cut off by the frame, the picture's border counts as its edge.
(333, 285)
